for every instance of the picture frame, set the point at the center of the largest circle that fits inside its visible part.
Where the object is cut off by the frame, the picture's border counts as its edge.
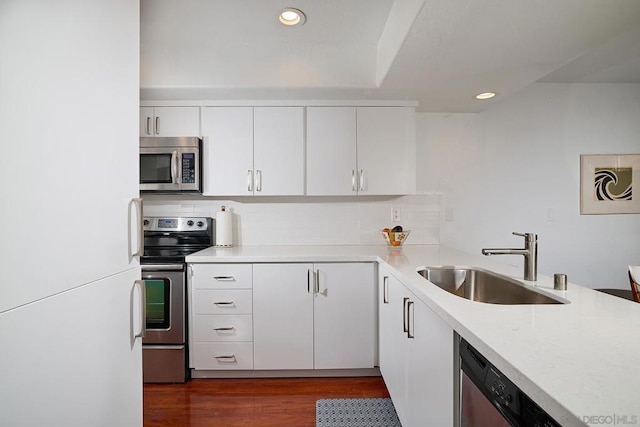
(609, 184)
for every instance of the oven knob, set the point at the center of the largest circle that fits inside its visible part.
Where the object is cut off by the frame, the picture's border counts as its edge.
(200, 223)
(145, 222)
(189, 223)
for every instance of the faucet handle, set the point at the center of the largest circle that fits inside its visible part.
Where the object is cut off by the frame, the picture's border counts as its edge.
(529, 237)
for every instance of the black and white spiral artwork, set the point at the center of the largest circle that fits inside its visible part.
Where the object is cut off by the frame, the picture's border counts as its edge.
(613, 184)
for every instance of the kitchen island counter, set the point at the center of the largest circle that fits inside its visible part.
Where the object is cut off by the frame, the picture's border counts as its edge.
(577, 360)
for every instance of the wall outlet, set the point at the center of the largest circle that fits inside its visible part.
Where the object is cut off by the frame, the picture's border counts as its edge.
(551, 215)
(448, 214)
(395, 214)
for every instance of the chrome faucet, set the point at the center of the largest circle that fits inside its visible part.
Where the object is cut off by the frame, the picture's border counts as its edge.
(530, 253)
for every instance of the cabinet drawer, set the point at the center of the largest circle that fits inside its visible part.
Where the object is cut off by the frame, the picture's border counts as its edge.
(223, 328)
(222, 276)
(224, 356)
(222, 301)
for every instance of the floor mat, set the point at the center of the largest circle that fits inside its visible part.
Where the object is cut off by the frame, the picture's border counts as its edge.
(377, 412)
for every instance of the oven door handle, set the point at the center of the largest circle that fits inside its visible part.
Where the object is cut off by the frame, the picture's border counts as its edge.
(162, 267)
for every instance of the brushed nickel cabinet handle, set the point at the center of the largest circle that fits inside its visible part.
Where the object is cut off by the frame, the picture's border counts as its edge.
(148, 126)
(404, 315)
(258, 180)
(226, 358)
(385, 290)
(225, 329)
(138, 203)
(249, 180)
(140, 284)
(353, 180)
(361, 180)
(224, 278)
(157, 125)
(308, 280)
(224, 303)
(410, 314)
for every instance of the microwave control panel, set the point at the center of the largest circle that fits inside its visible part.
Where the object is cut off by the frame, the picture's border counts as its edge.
(188, 168)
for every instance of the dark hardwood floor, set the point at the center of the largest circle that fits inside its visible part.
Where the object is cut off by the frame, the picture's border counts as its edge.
(268, 402)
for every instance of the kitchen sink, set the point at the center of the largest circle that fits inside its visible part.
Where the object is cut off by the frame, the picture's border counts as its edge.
(484, 286)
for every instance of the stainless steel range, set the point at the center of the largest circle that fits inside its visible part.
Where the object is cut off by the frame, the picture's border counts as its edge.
(167, 241)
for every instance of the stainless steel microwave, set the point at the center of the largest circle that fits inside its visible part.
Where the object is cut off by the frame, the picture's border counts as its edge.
(171, 164)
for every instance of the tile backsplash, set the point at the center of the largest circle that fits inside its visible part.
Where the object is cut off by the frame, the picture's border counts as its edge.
(312, 220)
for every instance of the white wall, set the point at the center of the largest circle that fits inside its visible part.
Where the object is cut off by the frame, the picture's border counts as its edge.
(516, 167)
(313, 220)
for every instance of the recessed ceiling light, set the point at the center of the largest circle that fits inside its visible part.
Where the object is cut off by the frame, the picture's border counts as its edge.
(292, 17)
(485, 95)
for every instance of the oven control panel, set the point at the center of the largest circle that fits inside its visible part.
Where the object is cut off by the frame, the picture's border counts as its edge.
(175, 223)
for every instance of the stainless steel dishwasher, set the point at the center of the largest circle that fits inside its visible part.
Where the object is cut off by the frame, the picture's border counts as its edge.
(488, 398)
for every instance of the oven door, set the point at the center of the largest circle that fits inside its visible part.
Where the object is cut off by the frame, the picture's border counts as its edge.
(165, 304)
(170, 169)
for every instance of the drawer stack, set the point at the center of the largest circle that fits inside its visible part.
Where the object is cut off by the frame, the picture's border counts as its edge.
(222, 326)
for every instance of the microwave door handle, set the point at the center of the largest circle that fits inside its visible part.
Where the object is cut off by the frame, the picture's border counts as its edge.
(174, 167)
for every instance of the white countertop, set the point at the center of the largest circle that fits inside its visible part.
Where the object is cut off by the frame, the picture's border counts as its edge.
(578, 361)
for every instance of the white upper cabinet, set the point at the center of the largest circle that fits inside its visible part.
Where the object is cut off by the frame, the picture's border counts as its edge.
(386, 150)
(331, 151)
(228, 151)
(278, 151)
(253, 151)
(360, 150)
(169, 121)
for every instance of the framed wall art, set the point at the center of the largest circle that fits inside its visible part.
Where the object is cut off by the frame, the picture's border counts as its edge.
(609, 184)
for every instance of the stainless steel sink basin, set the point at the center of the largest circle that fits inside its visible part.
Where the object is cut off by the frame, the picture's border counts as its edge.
(484, 286)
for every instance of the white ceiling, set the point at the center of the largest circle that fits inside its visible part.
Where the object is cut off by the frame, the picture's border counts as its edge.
(438, 52)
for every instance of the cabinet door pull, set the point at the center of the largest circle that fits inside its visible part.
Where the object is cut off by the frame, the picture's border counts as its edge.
(148, 126)
(142, 290)
(157, 125)
(410, 315)
(224, 278)
(316, 284)
(353, 180)
(225, 329)
(249, 180)
(404, 315)
(308, 280)
(226, 359)
(137, 202)
(258, 180)
(226, 304)
(361, 180)
(385, 290)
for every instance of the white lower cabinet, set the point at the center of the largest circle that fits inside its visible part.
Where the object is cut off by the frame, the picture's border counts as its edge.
(416, 356)
(314, 316)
